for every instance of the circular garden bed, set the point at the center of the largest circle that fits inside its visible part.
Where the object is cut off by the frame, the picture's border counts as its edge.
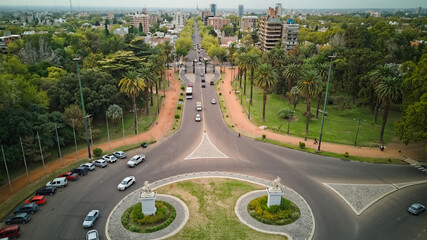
(287, 212)
(134, 221)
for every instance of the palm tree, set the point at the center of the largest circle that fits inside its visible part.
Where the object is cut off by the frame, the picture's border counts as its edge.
(375, 78)
(266, 78)
(115, 112)
(150, 80)
(309, 85)
(241, 63)
(323, 70)
(132, 86)
(388, 90)
(253, 61)
(294, 94)
(167, 48)
(292, 73)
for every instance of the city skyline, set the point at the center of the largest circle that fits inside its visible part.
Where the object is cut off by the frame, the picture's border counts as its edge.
(223, 4)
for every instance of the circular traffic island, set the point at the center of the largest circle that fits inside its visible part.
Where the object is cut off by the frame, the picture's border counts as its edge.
(285, 213)
(134, 221)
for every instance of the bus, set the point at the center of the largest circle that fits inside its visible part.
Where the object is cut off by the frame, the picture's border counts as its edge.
(189, 93)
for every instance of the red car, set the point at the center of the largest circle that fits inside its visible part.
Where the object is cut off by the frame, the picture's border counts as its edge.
(70, 176)
(39, 200)
(10, 232)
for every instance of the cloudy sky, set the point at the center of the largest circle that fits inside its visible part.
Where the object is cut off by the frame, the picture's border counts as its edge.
(257, 4)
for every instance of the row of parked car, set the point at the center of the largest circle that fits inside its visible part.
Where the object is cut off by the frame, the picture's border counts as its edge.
(31, 206)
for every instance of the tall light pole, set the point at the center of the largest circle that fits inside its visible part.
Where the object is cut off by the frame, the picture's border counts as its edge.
(83, 107)
(357, 133)
(326, 98)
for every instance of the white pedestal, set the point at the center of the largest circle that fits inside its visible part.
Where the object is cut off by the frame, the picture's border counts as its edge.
(148, 203)
(274, 196)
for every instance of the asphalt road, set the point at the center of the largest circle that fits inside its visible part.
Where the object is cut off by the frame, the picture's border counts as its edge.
(62, 216)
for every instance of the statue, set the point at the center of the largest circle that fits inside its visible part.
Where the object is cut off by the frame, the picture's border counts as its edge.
(148, 198)
(276, 183)
(275, 193)
(146, 188)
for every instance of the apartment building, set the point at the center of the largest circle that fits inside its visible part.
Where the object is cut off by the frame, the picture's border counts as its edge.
(136, 19)
(270, 30)
(248, 22)
(218, 22)
(290, 35)
(6, 40)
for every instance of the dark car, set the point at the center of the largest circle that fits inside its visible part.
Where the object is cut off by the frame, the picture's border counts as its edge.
(26, 208)
(46, 191)
(203, 80)
(10, 232)
(18, 218)
(81, 171)
(212, 83)
(203, 85)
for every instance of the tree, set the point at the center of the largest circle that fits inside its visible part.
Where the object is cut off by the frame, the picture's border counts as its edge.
(115, 112)
(388, 90)
(266, 79)
(323, 70)
(309, 85)
(132, 86)
(120, 62)
(294, 95)
(243, 67)
(167, 49)
(140, 28)
(252, 62)
(74, 117)
(291, 74)
(107, 32)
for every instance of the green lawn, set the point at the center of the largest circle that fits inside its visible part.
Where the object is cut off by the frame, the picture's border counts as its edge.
(339, 126)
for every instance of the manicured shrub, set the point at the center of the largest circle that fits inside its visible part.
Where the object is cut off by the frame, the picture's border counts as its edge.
(220, 94)
(179, 107)
(346, 154)
(177, 116)
(285, 213)
(301, 145)
(182, 94)
(180, 99)
(264, 136)
(97, 152)
(182, 88)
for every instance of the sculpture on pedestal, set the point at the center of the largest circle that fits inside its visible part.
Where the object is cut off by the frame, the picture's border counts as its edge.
(148, 198)
(275, 193)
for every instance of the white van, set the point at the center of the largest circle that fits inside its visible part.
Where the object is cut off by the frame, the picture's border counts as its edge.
(58, 182)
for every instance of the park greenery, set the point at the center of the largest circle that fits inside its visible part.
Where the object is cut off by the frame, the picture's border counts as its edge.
(285, 213)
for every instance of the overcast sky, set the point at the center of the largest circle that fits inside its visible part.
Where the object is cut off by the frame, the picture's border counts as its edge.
(257, 4)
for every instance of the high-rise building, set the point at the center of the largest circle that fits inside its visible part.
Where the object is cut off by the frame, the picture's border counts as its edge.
(136, 19)
(205, 16)
(240, 10)
(270, 30)
(418, 10)
(279, 9)
(248, 22)
(290, 34)
(213, 8)
(179, 20)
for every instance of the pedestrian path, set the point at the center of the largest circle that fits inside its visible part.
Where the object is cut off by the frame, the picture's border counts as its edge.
(303, 228)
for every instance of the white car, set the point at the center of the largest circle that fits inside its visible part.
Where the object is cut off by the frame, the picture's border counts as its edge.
(100, 163)
(89, 165)
(213, 101)
(126, 182)
(135, 160)
(198, 118)
(92, 235)
(58, 182)
(91, 218)
(109, 158)
(120, 154)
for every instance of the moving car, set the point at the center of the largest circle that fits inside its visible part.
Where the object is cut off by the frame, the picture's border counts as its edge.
(213, 101)
(39, 200)
(203, 85)
(199, 106)
(416, 208)
(198, 118)
(90, 166)
(10, 232)
(92, 235)
(58, 182)
(100, 163)
(126, 182)
(91, 218)
(203, 79)
(46, 191)
(70, 176)
(81, 171)
(109, 158)
(120, 154)
(212, 83)
(201, 75)
(26, 208)
(190, 85)
(18, 218)
(135, 160)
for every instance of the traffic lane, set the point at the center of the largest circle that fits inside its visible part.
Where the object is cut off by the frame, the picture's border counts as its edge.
(389, 217)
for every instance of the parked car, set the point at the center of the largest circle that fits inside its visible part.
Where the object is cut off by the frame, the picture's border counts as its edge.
(18, 218)
(213, 101)
(10, 232)
(92, 235)
(58, 182)
(100, 163)
(39, 200)
(46, 191)
(416, 208)
(135, 160)
(198, 118)
(120, 154)
(90, 166)
(26, 208)
(81, 171)
(109, 158)
(91, 218)
(70, 176)
(126, 182)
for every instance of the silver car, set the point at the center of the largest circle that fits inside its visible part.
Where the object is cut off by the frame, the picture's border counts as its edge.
(126, 182)
(198, 118)
(109, 158)
(92, 235)
(89, 166)
(416, 208)
(100, 163)
(120, 154)
(91, 218)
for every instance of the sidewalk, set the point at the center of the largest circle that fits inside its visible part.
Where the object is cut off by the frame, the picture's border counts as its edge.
(159, 130)
(246, 127)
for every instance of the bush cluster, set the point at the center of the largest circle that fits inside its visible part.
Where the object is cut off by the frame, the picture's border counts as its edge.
(301, 145)
(287, 212)
(97, 152)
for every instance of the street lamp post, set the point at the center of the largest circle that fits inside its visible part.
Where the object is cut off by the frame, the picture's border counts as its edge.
(249, 112)
(326, 98)
(83, 107)
(357, 132)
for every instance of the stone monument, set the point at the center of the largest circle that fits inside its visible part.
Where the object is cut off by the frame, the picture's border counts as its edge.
(148, 199)
(275, 193)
